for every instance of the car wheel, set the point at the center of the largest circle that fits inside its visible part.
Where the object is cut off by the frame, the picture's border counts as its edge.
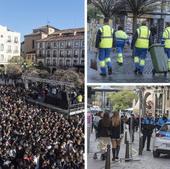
(156, 154)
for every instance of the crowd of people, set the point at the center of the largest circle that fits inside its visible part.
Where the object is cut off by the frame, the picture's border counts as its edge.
(109, 128)
(34, 137)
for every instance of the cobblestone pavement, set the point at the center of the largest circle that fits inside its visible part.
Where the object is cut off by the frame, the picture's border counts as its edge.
(146, 161)
(125, 74)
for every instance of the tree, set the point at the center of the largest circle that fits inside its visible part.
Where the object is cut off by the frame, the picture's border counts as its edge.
(140, 7)
(122, 100)
(16, 60)
(108, 7)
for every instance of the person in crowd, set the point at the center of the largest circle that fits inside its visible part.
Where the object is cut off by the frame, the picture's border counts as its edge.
(104, 132)
(140, 43)
(34, 137)
(115, 134)
(104, 44)
(161, 121)
(148, 125)
(132, 123)
(120, 40)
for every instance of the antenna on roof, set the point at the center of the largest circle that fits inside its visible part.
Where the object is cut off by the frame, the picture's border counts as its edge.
(48, 22)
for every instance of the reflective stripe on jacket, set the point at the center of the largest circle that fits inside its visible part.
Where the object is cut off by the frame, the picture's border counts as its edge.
(106, 37)
(143, 37)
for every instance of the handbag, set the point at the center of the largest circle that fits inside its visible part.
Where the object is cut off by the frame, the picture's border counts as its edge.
(93, 62)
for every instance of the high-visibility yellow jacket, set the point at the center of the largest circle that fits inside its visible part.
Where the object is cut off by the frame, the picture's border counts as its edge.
(166, 37)
(143, 37)
(120, 34)
(106, 37)
(80, 98)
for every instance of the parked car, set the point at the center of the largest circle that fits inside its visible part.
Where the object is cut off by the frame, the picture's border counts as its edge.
(161, 144)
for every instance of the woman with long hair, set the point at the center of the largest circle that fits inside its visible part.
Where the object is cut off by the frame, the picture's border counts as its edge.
(115, 134)
(104, 131)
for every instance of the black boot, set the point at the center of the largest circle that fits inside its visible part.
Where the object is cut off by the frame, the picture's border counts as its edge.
(113, 154)
(117, 152)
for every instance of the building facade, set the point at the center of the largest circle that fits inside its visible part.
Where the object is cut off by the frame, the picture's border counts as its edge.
(9, 44)
(29, 44)
(63, 48)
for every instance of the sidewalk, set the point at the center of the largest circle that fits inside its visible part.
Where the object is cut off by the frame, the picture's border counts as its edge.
(146, 160)
(125, 73)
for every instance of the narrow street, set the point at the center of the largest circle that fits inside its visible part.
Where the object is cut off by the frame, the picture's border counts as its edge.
(146, 161)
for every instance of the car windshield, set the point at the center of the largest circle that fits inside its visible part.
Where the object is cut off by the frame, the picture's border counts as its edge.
(165, 127)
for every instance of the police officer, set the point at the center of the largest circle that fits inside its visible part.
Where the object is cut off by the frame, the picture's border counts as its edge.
(120, 39)
(162, 120)
(148, 124)
(140, 43)
(166, 40)
(104, 43)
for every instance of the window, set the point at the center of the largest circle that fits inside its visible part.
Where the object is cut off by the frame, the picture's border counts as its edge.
(33, 44)
(68, 44)
(82, 62)
(54, 53)
(16, 49)
(9, 39)
(2, 58)
(54, 62)
(82, 53)
(61, 62)
(76, 43)
(76, 53)
(40, 44)
(15, 39)
(75, 62)
(61, 53)
(2, 47)
(48, 53)
(48, 45)
(67, 62)
(82, 43)
(61, 44)
(2, 36)
(55, 44)
(9, 49)
(69, 53)
(48, 61)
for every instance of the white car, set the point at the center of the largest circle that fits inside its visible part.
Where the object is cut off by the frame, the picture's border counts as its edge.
(161, 144)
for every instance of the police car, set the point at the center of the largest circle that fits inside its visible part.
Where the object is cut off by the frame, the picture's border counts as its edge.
(161, 144)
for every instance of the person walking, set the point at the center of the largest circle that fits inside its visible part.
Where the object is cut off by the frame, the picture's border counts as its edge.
(104, 44)
(120, 39)
(104, 131)
(132, 123)
(140, 43)
(166, 41)
(148, 125)
(115, 134)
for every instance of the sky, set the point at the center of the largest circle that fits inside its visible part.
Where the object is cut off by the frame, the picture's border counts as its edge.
(24, 15)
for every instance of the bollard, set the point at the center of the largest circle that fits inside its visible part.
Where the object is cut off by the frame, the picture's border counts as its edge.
(127, 152)
(107, 162)
(141, 145)
(125, 140)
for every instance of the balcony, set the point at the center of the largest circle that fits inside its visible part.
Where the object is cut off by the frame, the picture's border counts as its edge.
(15, 41)
(9, 40)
